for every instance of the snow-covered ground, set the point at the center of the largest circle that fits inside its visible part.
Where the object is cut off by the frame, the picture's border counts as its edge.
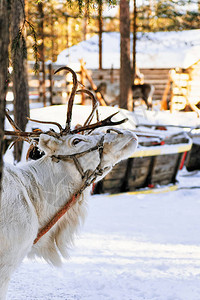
(132, 247)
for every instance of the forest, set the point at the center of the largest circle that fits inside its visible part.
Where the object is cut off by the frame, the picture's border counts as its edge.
(68, 148)
(39, 30)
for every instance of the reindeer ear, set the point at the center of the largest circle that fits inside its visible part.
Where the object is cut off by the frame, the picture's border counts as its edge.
(49, 144)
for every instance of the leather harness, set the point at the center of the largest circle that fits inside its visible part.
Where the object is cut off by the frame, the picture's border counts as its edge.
(88, 177)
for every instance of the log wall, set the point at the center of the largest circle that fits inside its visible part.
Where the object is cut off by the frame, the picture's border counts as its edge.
(185, 89)
(62, 84)
(157, 77)
(58, 86)
(194, 83)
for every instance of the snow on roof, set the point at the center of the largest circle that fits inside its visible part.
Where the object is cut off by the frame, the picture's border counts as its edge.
(154, 50)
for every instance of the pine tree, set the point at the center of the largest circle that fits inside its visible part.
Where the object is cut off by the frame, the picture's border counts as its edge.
(4, 43)
(125, 69)
(169, 15)
(19, 74)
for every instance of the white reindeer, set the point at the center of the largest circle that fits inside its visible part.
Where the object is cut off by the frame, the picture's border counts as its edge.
(33, 194)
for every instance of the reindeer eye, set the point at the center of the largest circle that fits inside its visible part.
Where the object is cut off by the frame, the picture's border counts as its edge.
(76, 141)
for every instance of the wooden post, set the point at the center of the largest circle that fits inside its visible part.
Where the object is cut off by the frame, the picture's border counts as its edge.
(125, 182)
(94, 87)
(164, 105)
(50, 84)
(178, 162)
(43, 84)
(111, 75)
(148, 180)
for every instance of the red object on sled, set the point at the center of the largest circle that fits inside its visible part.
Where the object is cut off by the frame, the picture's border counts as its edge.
(182, 161)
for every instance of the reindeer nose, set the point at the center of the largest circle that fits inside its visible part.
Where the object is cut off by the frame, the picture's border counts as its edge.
(134, 136)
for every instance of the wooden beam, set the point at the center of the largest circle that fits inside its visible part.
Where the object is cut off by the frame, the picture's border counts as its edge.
(94, 87)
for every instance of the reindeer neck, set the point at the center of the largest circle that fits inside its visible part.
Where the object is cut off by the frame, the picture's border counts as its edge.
(52, 185)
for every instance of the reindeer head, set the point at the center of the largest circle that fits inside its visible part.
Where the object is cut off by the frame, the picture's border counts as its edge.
(83, 150)
(66, 145)
(100, 149)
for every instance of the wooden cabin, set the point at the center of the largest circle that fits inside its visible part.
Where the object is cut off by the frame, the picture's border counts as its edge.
(158, 53)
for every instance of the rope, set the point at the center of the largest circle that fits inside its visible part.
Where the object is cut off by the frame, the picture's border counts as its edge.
(57, 216)
(89, 180)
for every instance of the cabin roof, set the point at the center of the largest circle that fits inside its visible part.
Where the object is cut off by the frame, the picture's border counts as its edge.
(154, 50)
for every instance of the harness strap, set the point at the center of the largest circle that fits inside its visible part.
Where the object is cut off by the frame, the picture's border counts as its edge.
(63, 157)
(89, 176)
(78, 166)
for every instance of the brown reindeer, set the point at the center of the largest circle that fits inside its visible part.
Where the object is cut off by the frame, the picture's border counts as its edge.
(144, 92)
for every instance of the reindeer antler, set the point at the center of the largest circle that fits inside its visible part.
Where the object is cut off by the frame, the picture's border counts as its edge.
(71, 99)
(47, 122)
(17, 131)
(87, 126)
(12, 123)
(70, 104)
(95, 106)
(106, 122)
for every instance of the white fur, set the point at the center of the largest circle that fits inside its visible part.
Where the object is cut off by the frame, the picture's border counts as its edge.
(32, 194)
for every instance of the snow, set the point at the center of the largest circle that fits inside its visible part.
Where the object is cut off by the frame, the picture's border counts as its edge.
(58, 113)
(166, 117)
(132, 247)
(154, 50)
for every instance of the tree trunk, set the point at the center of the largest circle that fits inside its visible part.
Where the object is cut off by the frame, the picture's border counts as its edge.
(125, 70)
(4, 42)
(134, 39)
(100, 33)
(20, 79)
(84, 25)
(41, 49)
